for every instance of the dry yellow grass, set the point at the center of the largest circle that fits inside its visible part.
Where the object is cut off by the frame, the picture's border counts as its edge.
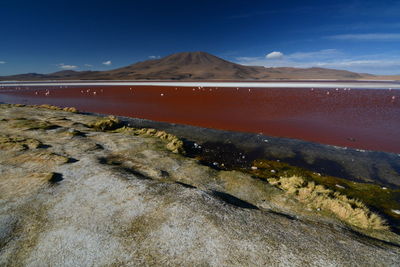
(106, 124)
(318, 197)
(42, 159)
(17, 186)
(174, 143)
(68, 109)
(17, 143)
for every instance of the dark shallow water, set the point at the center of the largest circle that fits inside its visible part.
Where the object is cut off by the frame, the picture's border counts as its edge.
(358, 118)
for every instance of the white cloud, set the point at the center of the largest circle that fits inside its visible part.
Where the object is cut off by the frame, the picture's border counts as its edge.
(154, 57)
(67, 67)
(386, 63)
(2, 62)
(366, 37)
(107, 63)
(274, 55)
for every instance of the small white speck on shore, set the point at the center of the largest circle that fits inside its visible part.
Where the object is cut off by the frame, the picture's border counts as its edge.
(254, 168)
(384, 188)
(396, 212)
(273, 171)
(340, 186)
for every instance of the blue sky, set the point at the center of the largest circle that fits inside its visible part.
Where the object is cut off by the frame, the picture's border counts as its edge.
(48, 36)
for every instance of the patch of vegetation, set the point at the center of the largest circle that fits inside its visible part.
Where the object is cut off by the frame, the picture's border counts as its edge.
(318, 197)
(68, 109)
(41, 158)
(46, 176)
(31, 124)
(174, 144)
(106, 124)
(18, 143)
(73, 132)
(377, 198)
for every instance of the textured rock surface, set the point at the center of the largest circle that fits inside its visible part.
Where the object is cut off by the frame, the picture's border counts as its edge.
(72, 196)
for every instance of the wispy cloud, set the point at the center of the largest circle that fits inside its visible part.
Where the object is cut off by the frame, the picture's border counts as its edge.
(107, 63)
(154, 57)
(66, 67)
(330, 58)
(88, 65)
(316, 55)
(2, 62)
(366, 37)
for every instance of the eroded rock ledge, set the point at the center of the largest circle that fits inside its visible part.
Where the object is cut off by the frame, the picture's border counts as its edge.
(73, 195)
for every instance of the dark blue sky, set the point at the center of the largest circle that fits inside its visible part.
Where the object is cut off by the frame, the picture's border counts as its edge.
(48, 36)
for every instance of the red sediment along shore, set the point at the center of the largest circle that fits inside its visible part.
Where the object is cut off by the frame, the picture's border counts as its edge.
(359, 118)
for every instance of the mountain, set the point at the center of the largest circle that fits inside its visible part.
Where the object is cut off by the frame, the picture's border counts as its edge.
(194, 66)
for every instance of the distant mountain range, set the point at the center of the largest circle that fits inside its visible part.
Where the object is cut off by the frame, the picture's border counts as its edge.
(196, 66)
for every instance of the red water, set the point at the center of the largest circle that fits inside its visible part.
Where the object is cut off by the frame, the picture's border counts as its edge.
(364, 119)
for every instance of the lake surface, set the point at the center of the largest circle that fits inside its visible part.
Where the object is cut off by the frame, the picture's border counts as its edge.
(363, 115)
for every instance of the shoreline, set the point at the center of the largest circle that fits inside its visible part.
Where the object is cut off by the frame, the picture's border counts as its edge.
(251, 84)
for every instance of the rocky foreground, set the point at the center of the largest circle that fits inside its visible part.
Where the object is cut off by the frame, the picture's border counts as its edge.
(76, 192)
